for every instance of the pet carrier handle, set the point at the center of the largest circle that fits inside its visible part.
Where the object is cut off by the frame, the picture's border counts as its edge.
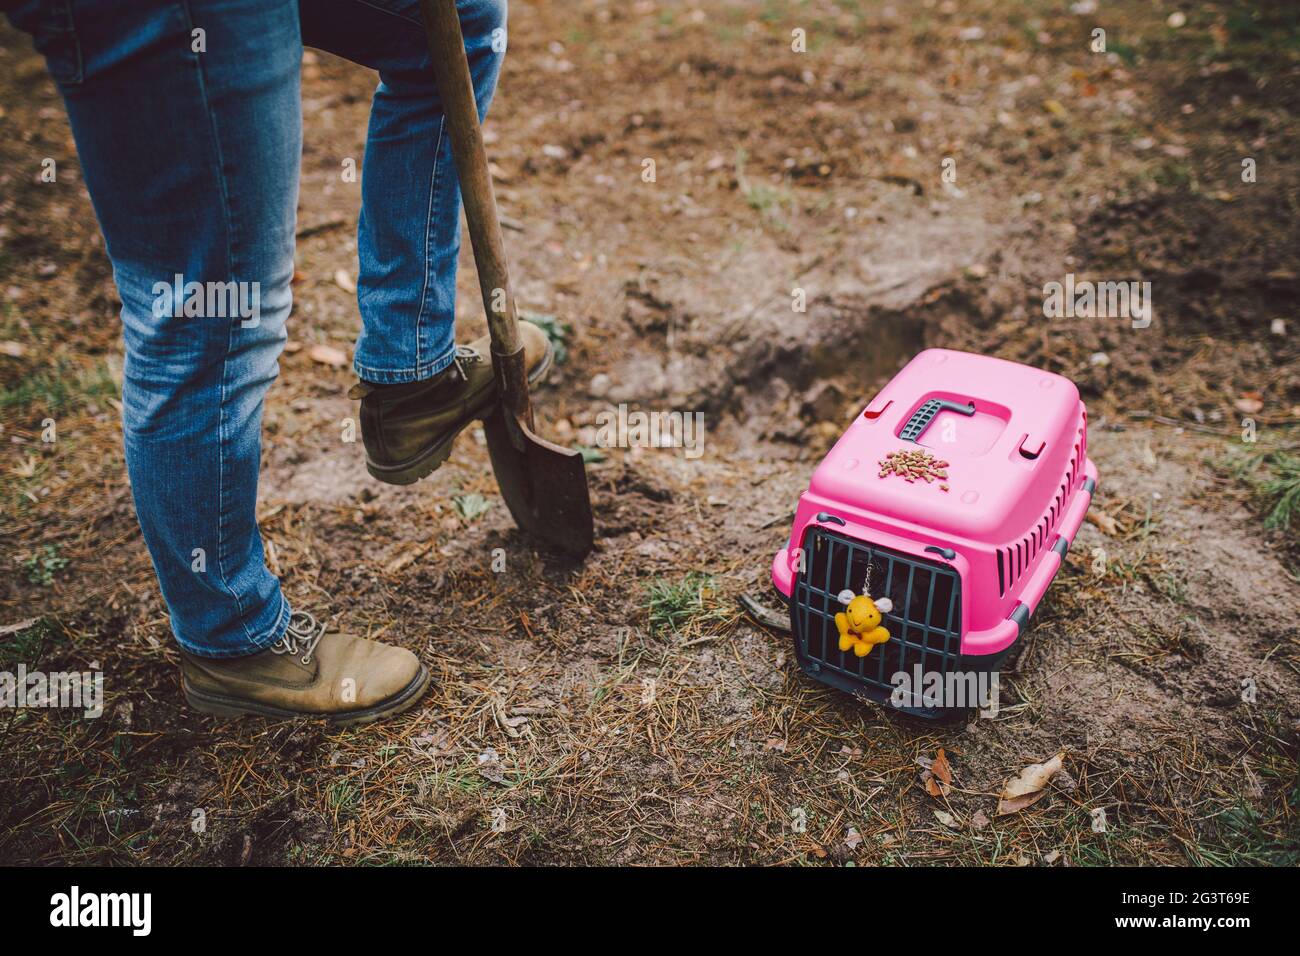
(922, 417)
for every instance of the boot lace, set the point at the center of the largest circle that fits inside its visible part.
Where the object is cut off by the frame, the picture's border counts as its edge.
(302, 636)
(465, 356)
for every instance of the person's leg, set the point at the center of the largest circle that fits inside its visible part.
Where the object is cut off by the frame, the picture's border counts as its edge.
(414, 401)
(187, 122)
(409, 232)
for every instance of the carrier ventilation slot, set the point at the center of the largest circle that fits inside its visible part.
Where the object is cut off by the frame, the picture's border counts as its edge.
(1014, 560)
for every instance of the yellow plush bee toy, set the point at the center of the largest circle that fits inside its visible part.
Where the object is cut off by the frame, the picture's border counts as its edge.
(859, 622)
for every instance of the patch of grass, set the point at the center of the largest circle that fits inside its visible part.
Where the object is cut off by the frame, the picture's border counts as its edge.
(758, 196)
(61, 387)
(463, 777)
(1172, 174)
(471, 506)
(1248, 839)
(1125, 51)
(1274, 33)
(774, 11)
(26, 646)
(1281, 489)
(1274, 476)
(674, 604)
(556, 331)
(342, 798)
(41, 566)
(1256, 826)
(1258, 41)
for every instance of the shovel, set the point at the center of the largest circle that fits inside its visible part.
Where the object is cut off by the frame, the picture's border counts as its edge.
(544, 485)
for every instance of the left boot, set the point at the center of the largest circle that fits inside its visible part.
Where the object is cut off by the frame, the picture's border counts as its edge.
(408, 429)
(310, 672)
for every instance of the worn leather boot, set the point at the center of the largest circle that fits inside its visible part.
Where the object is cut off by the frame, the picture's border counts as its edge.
(408, 429)
(308, 673)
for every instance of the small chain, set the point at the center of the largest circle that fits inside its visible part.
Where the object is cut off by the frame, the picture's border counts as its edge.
(871, 566)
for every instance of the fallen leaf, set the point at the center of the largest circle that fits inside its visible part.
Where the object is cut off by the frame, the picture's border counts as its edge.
(432, 743)
(1029, 787)
(979, 820)
(344, 281)
(1052, 857)
(934, 783)
(328, 355)
(539, 705)
(1056, 109)
(510, 725)
(946, 819)
(852, 839)
(13, 349)
(489, 766)
(941, 769)
(1248, 405)
(1105, 522)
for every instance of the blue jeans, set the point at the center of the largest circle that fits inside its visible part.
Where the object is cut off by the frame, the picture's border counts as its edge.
(190, 145)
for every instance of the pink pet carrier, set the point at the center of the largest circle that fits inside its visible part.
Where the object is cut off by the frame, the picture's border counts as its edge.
(931, 531)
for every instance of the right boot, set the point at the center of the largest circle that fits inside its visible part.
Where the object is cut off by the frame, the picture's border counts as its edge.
(408, 429)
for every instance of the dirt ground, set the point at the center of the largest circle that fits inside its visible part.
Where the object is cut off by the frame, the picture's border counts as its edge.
(570, 720)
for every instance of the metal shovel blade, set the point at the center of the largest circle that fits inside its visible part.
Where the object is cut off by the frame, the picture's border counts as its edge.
(544, 485)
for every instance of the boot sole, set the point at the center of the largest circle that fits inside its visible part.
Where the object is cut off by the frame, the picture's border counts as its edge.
(430, 459)
(221, 706)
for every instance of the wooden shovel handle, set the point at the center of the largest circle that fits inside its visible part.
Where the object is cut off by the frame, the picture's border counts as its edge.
(456, 91)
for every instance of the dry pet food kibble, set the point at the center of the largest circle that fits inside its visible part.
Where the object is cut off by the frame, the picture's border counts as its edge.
(911, 465)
